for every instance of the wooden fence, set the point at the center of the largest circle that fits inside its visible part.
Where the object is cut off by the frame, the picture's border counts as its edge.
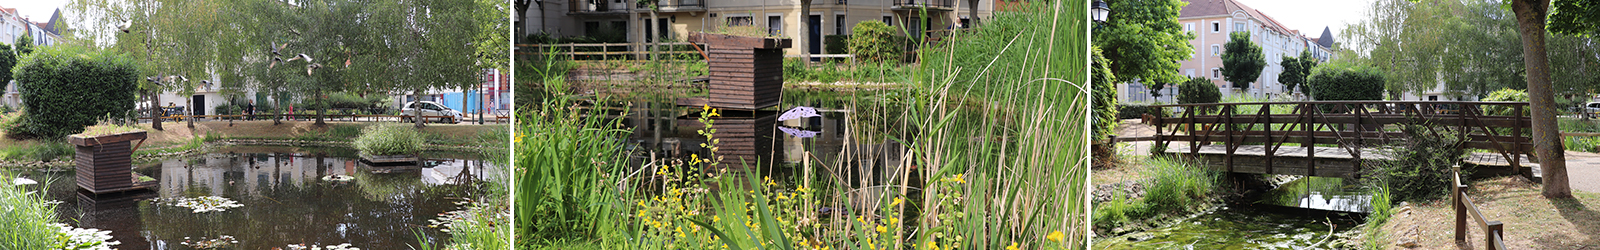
(611, 51)
(1493, 231)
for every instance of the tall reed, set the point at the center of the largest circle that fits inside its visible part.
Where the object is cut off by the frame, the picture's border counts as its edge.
(26, 215)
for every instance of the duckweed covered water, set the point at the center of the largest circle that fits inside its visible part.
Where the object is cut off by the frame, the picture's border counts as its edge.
(281, 198)
(1306, 213)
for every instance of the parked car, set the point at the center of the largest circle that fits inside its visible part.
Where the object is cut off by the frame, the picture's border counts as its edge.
(1592, 109)
(430, 110)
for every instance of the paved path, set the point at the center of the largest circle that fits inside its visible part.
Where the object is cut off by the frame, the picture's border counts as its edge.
(1583, 171)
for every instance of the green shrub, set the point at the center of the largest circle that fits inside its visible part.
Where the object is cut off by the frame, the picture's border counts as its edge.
(1136, 111)
(1506, 95)
(874, 41)
(1198, 90)
(8, 60)
(67, 88)
(1118, 211)
(389, 139)
(1420, 170)
(1105, 96)
(1333, 82)
(836, 44)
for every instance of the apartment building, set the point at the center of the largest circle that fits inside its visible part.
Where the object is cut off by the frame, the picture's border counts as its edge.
(1211, 21)
(677, 18)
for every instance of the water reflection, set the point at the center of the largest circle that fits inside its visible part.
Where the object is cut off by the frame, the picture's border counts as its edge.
(285, 199)
(1320, 193)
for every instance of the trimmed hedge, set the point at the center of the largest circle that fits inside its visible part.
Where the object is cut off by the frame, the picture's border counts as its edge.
(1338, 83)
(67, 88)
(874, 41)
(1198, 90)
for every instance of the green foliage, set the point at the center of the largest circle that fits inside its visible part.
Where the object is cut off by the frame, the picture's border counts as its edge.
(27, 217)
(874, 41)
(1242, 60)
(389, 139)
(1420, 170)
(8, 60)
(43, 151)
(1136, 111)
(1174, 186)
(562, 154)
(1296, 70)
(1331, 82)
(1144, 41)
(836, 44)
(67, 88)
(1506, 95)
(1575, 17)
(24, 44)
(1105, 96)
(795, 70)
(1198, 90)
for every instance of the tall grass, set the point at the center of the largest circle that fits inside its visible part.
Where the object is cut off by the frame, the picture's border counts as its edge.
(390, 139)
(1173, 185)
(40, 151)
(26, 215)
(1006, 109)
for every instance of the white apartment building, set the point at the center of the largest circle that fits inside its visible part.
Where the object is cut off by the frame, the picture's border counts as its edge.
(1210, 21)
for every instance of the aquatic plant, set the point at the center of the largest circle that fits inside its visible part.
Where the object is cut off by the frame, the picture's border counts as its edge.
(203, 204)
(342, 246)
(338, 178)
(389, 139)
(28, 218)
(220, 242)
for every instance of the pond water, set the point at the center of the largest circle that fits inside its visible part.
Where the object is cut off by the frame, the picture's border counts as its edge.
(1305, 213)
(288, 195)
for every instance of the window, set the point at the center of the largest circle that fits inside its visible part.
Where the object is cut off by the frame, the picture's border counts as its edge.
(1433, 98)
(1188, 72)
(1188, 27)
(1216, 27)
(888, 20)
(774, 25)
(619, 26)
(1216, 73)
(1238, 27)
(966, 22)
(591, 28)
(838, 25)
(741, 21)
(1216, 50)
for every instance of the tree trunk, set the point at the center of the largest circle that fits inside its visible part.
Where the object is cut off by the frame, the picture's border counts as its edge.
(522, 18)
(322, 108)
(416, 113)
(972, 13)
(155, 109)
(655, 39)
(1531, 15)
(189, 107)
(805, 32)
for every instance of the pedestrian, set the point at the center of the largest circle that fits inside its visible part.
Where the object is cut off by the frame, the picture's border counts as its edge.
(291, 112)
(250, 110)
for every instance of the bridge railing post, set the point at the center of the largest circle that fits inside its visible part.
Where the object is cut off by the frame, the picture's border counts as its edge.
(1458, 204)
(1493, 230)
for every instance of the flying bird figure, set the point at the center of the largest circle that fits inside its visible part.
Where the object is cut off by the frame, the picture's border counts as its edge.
(126, 24)
(311, 67)
(797, 132)
(277, 47)
(301, 56)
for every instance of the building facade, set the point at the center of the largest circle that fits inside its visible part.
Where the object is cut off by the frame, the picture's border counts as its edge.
(1211, 21)
(782, 18)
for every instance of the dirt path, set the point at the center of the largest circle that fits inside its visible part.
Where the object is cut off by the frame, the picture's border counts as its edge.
(1132, 128)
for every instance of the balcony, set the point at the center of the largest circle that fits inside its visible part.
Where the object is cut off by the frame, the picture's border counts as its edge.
(930, 4)
(597, 7)
(677, 6)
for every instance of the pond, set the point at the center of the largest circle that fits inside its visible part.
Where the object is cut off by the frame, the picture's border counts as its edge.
(1305, 213)
(285, 196)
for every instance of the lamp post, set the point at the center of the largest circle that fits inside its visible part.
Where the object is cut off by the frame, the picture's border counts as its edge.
(1099, 11)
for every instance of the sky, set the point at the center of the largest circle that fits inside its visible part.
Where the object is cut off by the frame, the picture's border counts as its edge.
(36, 10)
(1311, 16)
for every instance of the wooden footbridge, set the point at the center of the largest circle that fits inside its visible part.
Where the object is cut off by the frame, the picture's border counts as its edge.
(1337, 138)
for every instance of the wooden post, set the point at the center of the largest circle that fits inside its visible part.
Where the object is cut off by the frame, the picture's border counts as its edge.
(1311, 137)
(1227, 129)
(1494, 228)
(1160, 141)
(1267, 126)
(1516, 130)
(1460, 207)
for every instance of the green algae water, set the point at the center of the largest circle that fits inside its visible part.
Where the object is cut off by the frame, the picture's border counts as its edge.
(1306, 213)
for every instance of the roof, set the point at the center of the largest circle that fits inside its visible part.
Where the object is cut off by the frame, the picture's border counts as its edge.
(51, 25)
(1327, 38)
(1208, 8)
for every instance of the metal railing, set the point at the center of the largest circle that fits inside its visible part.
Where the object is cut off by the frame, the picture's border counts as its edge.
(1493, 231)
(608, 51)
(926, 3)
(1351, 125)
(676, 4)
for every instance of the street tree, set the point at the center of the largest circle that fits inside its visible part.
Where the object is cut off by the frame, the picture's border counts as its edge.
(1295, 71)
(1144, 42)
(1242, 60)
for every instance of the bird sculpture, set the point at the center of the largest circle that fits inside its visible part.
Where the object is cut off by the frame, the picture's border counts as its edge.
(798, 112)
(301, 56)
(126, 24)
(311, 67)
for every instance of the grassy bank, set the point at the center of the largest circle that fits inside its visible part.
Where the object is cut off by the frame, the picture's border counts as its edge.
(1172, 187)
(1531, 221)
(1580, 143)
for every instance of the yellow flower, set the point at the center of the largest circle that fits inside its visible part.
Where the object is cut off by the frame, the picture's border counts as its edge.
(882, 229)
(1013, 246)
(960, 179)
(896, 202)
(1057, 236)
(933, 245)
(704, 107)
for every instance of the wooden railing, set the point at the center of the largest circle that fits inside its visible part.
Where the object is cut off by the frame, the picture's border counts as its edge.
(497, 117)
(1351, 125)
(1493, 231)
(609, 51)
